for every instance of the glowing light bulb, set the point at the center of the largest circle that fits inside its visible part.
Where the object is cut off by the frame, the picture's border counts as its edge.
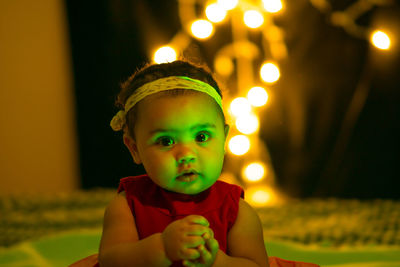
(260, 196)
(239, 145)
(269, 72)
(228, 4)
(247, 124)
(273, 6)
(240, 106)
(254, 172)
(380, 40)
(215, 13)
(257, 96)
(164, 54)
(202, 29)
(253, 19)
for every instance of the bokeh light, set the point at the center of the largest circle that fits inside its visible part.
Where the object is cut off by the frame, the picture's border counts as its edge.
(269, 72)
(239, 145)
(257, 96)
(380, 40)
(223, 65)
(215, 13)
(254, 172)
(247, 124)
(202, 29)
(240, 106)
(253, 19)
(228, 4)
(260, 196)
(273, 6)
(164, 54)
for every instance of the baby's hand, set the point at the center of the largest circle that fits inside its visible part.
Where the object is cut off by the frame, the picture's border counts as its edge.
(182, 237)
(207, 253)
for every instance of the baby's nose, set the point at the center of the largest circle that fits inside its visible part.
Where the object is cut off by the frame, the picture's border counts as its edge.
(186, 154)
(186, 159)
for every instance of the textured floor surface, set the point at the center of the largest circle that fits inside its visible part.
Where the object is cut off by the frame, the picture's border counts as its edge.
(60, 229)
(334, 222)
(322, 222)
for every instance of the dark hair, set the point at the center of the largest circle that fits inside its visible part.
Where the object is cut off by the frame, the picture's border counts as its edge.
(152, 72)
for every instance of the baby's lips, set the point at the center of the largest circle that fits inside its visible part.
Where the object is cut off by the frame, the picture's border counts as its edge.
(188, 171)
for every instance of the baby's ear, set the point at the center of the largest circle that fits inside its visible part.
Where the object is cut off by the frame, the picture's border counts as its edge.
(226, 130)
(131, 145)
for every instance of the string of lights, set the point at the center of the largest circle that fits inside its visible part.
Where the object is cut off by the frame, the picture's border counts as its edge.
(347, 18)
(250, 97)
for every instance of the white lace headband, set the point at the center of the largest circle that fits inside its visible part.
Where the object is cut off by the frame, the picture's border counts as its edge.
(163, 84)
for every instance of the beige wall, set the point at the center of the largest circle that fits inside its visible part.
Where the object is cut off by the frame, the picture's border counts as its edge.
(38, 150)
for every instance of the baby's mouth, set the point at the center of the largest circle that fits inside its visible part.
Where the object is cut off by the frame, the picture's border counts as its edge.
(188, 176)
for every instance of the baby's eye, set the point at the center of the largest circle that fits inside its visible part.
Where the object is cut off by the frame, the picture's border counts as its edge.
(202, 137)
(165, 141)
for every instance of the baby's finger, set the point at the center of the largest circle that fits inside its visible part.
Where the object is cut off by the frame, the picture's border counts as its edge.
(206, 236)
(188, 263)
(197, 229)
(198, 219)
(212, 245)
(189, 254)
(205, 255)
(209, 234)
(193, 241)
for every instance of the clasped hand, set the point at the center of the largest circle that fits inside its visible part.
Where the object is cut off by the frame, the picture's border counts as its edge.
(191, 240)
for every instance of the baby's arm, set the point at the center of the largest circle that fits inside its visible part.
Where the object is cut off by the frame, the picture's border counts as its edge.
(120, 245)
(245, 241)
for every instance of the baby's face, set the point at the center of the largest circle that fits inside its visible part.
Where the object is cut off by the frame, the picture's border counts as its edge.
(179, 134)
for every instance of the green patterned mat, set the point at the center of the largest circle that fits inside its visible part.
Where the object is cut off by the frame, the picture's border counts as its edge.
(65, 248)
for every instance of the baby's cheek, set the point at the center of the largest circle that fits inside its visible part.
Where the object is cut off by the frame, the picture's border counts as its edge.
(154, 164)
(165, 165)
(213, 168)
(213, 165)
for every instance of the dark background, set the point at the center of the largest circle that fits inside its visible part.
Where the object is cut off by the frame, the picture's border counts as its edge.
(319, 143)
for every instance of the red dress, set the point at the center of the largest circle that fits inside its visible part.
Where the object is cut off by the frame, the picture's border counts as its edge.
(154, 208)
